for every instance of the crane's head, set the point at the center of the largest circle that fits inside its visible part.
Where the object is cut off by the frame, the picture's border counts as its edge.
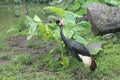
(60, 23)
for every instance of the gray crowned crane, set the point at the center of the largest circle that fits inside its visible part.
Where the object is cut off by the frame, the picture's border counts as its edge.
(77, 49)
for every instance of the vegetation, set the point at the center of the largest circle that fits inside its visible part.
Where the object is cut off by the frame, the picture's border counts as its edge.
(38, 59)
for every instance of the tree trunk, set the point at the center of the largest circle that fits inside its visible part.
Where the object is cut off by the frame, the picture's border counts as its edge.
(25, 7)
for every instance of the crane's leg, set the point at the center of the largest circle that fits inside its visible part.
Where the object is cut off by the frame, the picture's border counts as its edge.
(78, 73)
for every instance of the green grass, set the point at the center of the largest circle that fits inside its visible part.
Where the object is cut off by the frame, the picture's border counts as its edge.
(3, 35)
(3, 45)
(26, 59)
(36, 44)
(27, 66)
(4, 56)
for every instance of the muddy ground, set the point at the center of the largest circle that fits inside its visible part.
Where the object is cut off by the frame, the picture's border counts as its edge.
(21, 44)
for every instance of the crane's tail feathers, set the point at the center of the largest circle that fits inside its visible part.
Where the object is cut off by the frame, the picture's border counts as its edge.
(93, 65)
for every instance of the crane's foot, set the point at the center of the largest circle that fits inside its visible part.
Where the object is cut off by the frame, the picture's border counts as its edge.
(78, 74)
(81, 73)
(80, 69)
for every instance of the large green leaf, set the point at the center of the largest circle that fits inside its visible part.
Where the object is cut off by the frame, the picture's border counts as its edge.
(72, 7)
(80, 39)
(69, 19)
(29, 20)
(70, 16)
(56, 34)
(83, 25)
(32, 30)
(113, 2)
(36, 18)
(65, 62)
(68, 33)
(57, 10)
(45, 31)
(33, 27)
(85, 4)
(37, 25)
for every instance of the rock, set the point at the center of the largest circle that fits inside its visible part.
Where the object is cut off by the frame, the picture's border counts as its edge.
(104, 18)
(109, 36)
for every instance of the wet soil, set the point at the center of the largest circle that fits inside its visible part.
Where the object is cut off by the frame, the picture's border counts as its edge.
(21, 44)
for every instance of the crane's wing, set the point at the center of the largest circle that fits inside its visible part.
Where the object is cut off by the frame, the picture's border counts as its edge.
(79, 48)
(76, 55)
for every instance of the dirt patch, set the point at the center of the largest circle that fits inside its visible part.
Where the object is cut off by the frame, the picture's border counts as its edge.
(34, 45)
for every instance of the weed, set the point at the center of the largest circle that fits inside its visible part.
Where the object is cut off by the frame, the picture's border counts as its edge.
(108, 67)
(26, 59)
(3, 46)
(35, 44)
(111, 48)
(48, 62)
(19, 67)
(4, 56)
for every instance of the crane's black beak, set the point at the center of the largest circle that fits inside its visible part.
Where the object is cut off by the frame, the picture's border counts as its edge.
(58, 21)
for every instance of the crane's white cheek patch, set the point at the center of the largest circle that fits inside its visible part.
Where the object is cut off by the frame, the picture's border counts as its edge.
(86, 60)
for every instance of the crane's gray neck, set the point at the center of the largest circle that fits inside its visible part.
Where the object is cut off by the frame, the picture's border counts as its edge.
(62, 35)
